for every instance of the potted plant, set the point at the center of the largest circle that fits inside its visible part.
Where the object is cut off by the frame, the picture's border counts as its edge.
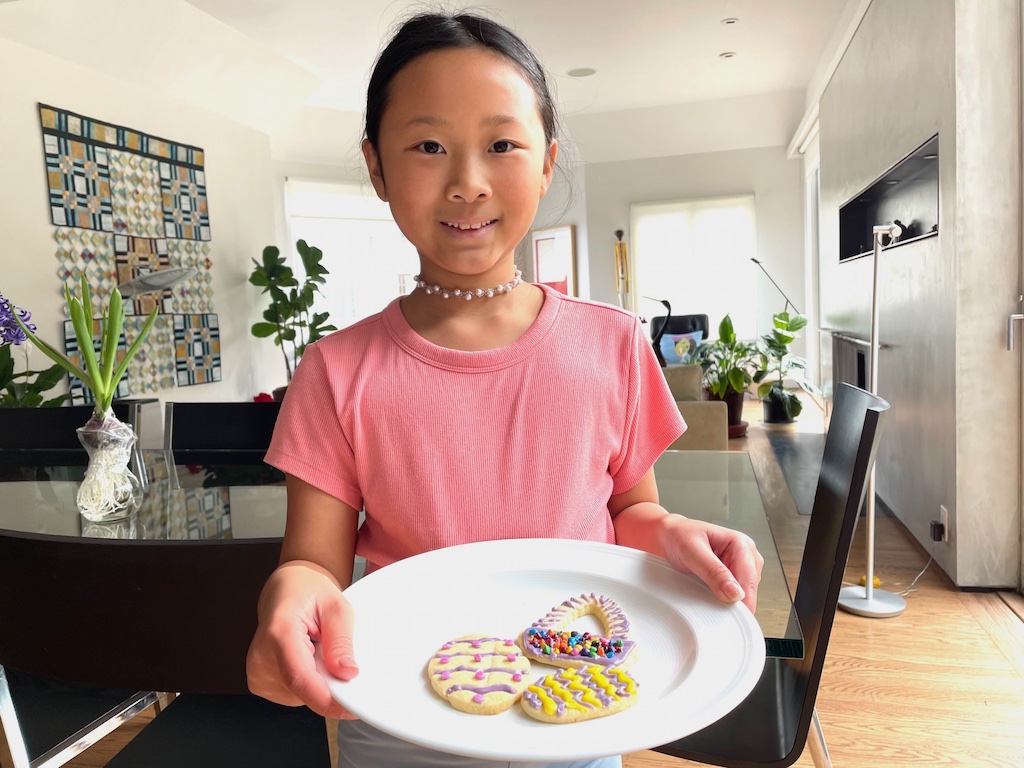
(109, 490)
(728, 366)
(290, 318)
(777, 363)
(23, 388)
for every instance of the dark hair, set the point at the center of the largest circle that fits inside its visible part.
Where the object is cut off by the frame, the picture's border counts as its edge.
(432, 32)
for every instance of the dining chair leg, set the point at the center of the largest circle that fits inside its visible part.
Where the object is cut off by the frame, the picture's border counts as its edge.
(816, 743)
(332, 739)
(12, 744)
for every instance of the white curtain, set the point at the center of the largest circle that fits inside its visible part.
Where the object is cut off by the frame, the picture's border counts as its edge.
(696, 254)
(369, 260)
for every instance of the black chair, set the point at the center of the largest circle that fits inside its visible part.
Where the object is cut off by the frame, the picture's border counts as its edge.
(772, 725)
(162, 616)
(33, 437)
(45, 721)
(680, 324)
(221, 436)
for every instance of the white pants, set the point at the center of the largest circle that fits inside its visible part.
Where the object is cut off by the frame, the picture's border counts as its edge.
(363, 746)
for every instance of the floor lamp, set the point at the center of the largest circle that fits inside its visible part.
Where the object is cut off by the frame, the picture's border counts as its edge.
(866, 600)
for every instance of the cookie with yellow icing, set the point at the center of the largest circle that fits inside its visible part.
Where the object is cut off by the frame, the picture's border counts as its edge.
(575, 694)
(479, 674)
(549, 640)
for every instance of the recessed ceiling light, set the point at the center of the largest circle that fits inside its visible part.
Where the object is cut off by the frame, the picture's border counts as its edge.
(581, 72)
(929, 157)
(727, 55)
(893, 181)
(730, 21)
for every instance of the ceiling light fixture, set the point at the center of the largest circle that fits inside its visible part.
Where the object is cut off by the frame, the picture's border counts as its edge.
(581, 72)
(730, 21)
(929, 157)
(727, 55)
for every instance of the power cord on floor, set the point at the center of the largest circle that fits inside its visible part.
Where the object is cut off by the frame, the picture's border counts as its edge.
(910, 588)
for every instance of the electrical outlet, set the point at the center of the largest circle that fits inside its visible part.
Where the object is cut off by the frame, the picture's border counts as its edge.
(944, 519)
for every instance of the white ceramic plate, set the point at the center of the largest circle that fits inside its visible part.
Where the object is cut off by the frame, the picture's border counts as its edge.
(697, 657)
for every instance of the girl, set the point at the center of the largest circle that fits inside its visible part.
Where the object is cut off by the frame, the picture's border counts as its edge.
(430, 414)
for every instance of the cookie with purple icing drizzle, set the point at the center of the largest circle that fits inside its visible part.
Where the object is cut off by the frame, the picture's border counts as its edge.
(580, 694)
(549, 640)
(479, 674)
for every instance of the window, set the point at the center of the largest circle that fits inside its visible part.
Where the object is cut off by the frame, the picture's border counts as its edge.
(696, 254)
(369, 260)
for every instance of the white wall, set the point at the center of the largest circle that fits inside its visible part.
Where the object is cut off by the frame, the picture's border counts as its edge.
(239, 178)
(775, 182)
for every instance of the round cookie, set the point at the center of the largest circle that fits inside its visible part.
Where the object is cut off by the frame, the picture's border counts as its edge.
(478, 674)
(580, 694)
(549, 641)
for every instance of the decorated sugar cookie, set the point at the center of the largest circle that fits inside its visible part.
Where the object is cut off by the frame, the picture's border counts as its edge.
(480, 675)
(574, 694)
(550, 642)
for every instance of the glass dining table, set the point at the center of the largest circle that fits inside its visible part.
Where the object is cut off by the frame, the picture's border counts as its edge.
(185, 503)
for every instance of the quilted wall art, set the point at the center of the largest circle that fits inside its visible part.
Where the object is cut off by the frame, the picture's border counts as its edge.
(126, 204)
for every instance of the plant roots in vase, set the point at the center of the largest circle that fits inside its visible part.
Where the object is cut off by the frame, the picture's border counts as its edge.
(110, 491)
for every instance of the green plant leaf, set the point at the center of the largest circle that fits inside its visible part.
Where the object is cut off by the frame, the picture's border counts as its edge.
(59, 358)
(115, 379)
(726, 334)
(737, 379)
(797, 323)
(86, 299)
(6, 366)
(111, 336)
(83, 332)
(263, 330)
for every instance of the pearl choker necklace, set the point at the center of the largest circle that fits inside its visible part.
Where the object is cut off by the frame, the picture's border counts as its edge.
(468, 295)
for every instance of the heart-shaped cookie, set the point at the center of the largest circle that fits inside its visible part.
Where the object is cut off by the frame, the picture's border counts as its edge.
(550, 641)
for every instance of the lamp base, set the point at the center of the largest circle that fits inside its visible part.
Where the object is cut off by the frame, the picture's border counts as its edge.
(881, 605)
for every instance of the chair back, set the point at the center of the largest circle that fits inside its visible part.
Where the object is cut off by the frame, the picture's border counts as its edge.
(680, 324)
(157, 616)
(219, 433)
(769, 728)
(850, 448)
(37, 436)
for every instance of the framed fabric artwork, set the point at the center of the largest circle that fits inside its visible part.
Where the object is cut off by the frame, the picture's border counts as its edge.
(129, 206)
(554, 258)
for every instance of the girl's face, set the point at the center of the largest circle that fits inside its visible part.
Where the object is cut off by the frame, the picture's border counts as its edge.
(462, 161)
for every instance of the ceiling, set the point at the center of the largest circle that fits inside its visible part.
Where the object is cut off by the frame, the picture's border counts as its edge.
(646, 52)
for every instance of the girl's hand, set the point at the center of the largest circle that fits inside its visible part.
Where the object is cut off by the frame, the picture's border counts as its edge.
(724, 559)
(301, 604)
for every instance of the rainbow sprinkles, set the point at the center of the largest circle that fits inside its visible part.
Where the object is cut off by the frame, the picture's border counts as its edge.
(549, 640)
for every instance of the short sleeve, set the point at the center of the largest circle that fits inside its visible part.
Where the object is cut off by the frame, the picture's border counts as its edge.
(653, 421)
(309, 441)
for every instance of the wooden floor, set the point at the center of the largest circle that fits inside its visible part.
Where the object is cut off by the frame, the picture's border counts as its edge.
(940, 685)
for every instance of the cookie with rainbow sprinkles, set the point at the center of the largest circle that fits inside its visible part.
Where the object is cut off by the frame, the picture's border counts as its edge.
(479, 674)
(549, 640)
(572, 694)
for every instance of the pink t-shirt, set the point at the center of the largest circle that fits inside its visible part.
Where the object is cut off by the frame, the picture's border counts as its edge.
(444, 447)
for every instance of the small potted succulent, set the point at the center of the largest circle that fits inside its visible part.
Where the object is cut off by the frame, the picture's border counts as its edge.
(728, 366)
(777, 363)
(109, 491)
(290, 318)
